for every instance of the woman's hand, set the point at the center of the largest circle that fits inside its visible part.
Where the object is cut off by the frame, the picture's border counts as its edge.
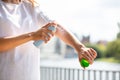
(44, 33)
(87, 53)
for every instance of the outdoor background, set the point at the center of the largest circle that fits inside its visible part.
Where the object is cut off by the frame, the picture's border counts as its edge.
(96, 23)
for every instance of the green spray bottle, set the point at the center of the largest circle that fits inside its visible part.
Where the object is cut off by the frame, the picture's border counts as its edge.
(84, 63)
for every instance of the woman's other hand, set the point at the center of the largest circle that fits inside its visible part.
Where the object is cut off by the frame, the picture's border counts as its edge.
(87, 53)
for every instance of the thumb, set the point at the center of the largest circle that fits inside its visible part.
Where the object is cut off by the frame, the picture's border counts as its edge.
(80, 57)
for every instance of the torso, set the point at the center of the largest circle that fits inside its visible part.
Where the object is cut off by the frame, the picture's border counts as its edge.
(22, 62)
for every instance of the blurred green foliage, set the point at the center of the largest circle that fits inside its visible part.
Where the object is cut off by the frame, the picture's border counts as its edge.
(113, 49)
(118, 35)
(110, 59)
(109, 51)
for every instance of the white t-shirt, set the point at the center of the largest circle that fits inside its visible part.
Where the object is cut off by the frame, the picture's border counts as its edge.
(22, 62)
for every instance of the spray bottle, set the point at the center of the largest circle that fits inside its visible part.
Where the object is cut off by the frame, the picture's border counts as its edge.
(39, 42)
(52, 28)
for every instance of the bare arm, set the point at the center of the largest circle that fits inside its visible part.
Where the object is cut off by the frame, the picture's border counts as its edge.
(7, 43)
(68, 37)
(83, 52)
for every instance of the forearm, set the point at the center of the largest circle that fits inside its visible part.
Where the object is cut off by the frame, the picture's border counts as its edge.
(83, 52)
(7, 43)
(68, 37)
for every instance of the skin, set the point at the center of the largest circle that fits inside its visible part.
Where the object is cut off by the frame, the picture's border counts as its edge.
(41, 34)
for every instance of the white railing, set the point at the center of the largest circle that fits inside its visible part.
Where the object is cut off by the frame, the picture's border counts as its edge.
(60, 73)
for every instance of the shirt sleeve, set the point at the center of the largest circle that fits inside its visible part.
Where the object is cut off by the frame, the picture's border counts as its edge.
(42, 19)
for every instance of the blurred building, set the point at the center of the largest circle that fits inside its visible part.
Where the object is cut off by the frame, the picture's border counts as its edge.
(85, 39)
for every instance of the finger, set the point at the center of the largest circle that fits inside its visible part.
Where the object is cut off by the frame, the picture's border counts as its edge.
(91, 54)
(50, 32)
(45, 40)
(88, 55)
(53, 23)
(46, 37)
(85, 55)
(80, 56)
(47, 25)
(94, 52)
(90, 58)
